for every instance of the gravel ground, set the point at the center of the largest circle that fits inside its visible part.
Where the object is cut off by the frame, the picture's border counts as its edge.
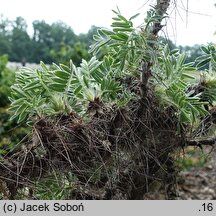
(199, 183)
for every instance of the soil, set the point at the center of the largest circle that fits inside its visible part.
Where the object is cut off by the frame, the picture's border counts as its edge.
(199, 183)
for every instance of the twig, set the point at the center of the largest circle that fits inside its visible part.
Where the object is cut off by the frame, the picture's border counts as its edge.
(200, 143)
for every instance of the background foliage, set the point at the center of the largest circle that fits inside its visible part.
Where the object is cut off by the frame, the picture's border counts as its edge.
(50, 43)
(55, 42)
(10, 132)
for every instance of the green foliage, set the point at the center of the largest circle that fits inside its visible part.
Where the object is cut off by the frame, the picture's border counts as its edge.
(152, 18)
(50, 37)
(125, 44)
(174, 79)
(172, 76)
(7, 78)
(208, 76)
(14, 39)
(192, 52)
(50, 43)
(209, 57)
(191, 158)
(54, 187)
(77, 52)
(10, 133)
(63, 88)
(21, 41)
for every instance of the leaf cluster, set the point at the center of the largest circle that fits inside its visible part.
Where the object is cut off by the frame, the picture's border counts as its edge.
(124, 43)
(173, 80)
(208, 57)
(62, 88)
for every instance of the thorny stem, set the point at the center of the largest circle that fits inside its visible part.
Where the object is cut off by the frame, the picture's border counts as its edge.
(161, 9)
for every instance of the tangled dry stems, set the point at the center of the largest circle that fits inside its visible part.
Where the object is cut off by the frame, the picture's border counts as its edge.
(117, 154)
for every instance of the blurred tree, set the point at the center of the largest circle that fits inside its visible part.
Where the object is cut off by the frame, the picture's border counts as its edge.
(49, 38)
(5, 27)
(169, 42)
(193, 52)
(41, 42)
(21, 41)
(66, 52)
(62, 33)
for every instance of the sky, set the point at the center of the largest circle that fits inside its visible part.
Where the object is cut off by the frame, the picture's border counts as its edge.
(191, 21)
